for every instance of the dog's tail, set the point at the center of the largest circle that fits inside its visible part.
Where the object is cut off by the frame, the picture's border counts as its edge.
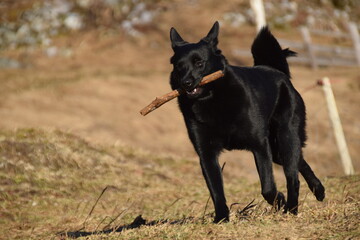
(266, 50)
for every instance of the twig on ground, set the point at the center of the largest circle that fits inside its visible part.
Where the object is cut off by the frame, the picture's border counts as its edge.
(244, 212)
(93, 207)
(117, 216)
(172, 204)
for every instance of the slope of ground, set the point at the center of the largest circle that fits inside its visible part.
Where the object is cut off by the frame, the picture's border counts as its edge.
(53, 182)
(70, 129)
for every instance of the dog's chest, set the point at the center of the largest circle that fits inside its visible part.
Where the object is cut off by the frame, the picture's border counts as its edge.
(210, 112)
(204, 113)
(222, 120)
(237, 140)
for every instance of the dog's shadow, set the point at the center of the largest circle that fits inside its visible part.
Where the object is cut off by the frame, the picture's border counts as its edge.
(140, 221)
(137, 223)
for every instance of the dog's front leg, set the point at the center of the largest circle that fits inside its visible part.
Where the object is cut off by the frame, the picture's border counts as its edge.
(208, 147)
(213, 176)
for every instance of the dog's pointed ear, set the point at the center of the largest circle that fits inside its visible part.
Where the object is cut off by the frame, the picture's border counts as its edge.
(176, 39)
(212, 36)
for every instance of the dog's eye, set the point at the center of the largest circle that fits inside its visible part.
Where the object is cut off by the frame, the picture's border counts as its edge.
(199, 64)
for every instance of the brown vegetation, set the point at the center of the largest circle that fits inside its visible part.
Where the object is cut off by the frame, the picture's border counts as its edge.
(70, 126)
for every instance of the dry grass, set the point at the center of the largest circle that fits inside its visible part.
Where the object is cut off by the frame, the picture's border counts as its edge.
(50, 181)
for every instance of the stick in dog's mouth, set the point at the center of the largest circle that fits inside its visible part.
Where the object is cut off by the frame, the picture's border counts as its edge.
(173, 94)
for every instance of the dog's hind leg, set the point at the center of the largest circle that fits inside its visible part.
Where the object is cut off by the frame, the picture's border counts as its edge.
(263, 160)
(290, 152)
(313, 182)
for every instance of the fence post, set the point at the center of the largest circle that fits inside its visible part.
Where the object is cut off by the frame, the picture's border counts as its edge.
(338, 131)
(258, 8)
(354, 33)
(307, 42)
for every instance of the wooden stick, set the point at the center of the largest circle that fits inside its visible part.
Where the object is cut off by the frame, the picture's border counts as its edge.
(336, 123)
(173, 94)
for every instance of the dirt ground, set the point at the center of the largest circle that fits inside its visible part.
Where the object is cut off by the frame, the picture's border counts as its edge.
(52, 180)
(97, 92)
(54, 184)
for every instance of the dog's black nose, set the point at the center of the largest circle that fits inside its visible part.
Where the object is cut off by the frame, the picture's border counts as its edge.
(187, 83)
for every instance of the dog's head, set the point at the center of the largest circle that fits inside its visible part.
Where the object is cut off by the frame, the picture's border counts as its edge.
(193, 61)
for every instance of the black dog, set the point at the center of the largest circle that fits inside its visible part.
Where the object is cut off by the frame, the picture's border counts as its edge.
(253, 108)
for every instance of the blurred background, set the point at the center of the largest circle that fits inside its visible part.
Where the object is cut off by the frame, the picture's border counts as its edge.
(88, 66)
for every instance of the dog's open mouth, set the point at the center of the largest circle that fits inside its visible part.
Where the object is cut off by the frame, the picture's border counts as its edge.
(194, 92)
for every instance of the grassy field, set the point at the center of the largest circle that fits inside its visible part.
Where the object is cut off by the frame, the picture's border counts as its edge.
(77, 158)
(53, 183)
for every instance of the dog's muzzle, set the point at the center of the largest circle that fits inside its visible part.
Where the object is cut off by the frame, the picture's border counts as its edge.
(195, 92)
(189, 86)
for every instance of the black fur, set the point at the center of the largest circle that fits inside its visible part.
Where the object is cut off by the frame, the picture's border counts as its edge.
(252, 108)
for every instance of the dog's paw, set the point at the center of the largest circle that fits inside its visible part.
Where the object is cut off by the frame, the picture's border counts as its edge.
(319, 192)
(221, 219)
(291, 209)
(279, 201)
(222, 214)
